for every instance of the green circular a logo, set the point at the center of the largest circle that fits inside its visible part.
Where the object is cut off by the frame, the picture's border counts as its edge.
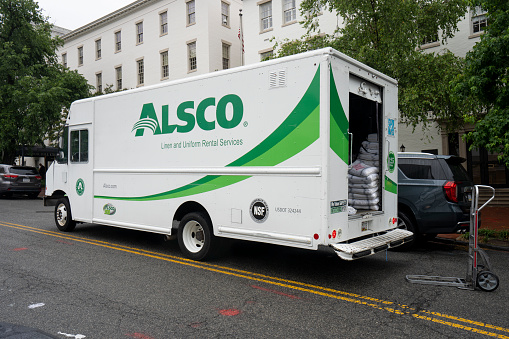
(391, 161)
(80, 187)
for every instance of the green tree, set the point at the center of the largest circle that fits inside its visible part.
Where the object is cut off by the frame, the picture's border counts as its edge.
(387, 35)
(486, 80)
(34, 88)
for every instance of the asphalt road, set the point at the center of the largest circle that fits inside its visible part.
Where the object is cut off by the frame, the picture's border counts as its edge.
(104, 282)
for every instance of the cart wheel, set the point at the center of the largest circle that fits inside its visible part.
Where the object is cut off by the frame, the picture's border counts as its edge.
(487, 281)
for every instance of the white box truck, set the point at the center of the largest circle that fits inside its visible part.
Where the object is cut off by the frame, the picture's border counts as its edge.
(259, 153)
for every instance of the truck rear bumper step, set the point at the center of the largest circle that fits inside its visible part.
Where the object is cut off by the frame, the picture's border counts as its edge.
(369, 246)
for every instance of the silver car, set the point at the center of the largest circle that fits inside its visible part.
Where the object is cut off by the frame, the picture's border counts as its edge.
(19, 180)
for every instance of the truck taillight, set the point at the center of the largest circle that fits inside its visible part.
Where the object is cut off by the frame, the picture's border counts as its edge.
(451, 191)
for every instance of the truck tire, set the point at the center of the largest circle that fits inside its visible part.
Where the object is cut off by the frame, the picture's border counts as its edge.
(405, 222)
(63, 216)
(195, 236)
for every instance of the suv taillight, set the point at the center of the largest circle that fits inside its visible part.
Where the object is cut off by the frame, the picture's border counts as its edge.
(451, 191)
(12, 176)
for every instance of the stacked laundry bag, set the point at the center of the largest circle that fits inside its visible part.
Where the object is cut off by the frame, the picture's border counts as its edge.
(363, 177)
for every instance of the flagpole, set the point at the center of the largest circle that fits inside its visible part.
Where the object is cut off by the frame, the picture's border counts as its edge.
(241, 37)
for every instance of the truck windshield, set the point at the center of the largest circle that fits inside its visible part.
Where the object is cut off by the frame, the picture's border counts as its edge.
(63, 146)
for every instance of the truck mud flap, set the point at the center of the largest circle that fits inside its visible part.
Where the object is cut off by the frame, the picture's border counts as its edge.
(369, 246)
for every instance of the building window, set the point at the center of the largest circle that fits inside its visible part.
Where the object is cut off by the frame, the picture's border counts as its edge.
(118, 76)
(191, 12)
(163, 21)
(226, 56)
(80, 56)
(430, 39)
(165, 68)
(479, 20)
(99, 82)
(98, 49)
(266, 55)
(64, 60)
(266, 15)
(141, 72)
(225, 14)
(139, 33)
(118, 41)
(289, 11)
(191, 51)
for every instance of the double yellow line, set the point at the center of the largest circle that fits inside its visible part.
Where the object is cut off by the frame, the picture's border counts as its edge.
(384, 305)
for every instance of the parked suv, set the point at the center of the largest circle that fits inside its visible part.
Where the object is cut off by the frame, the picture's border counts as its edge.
(434, 194)
(19, 180)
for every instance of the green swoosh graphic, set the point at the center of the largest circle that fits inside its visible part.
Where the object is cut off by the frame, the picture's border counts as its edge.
(391, 186)
(338, 123)
(299, 130)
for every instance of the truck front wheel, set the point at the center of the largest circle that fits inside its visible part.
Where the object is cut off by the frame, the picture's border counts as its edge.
(63, 216)
(195, 236)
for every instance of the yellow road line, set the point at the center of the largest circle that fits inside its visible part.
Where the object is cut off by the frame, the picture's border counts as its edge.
(384, 305)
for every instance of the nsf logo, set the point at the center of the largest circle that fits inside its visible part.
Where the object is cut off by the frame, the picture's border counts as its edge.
(259, 210)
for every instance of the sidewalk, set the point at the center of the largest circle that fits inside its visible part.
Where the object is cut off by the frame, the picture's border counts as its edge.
(493, 218)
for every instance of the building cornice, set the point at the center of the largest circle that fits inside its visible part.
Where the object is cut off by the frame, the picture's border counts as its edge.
(106, 19)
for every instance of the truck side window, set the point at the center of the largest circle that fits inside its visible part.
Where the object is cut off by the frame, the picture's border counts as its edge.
(79, 146)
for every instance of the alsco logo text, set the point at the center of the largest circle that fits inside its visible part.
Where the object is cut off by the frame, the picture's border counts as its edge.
(229, 112)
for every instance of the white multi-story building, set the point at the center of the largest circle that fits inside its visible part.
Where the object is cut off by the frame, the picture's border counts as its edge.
(59, 31)
(149, 41)
(270, 21)
(267, 22)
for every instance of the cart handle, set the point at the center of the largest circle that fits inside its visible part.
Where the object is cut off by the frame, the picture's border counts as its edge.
(477, 196)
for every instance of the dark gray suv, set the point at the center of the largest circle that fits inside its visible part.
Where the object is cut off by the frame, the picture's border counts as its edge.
(434, 194)
(19, 180)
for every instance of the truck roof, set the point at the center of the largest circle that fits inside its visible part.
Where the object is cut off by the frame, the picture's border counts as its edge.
(323, 51)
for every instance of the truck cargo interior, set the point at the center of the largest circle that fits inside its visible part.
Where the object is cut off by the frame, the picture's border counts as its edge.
(365, 175)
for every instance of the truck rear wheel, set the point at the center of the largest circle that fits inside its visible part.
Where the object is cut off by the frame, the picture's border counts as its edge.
(195, 236)
(63, 216)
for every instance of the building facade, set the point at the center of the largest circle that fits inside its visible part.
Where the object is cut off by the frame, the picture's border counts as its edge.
(270, 21)
(150, 41)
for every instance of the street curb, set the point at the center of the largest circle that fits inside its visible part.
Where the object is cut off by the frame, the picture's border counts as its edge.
(459, 242)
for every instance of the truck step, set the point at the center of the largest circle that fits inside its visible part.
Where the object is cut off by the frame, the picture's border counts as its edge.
(369, 246)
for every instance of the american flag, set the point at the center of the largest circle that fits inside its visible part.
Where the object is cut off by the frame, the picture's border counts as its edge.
(241, 38)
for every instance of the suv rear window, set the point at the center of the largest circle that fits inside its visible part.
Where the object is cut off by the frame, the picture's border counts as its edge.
(422, 169)
(458, 171)
(24, 170)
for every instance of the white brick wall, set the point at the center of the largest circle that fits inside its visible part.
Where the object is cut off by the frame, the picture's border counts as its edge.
(208, 32)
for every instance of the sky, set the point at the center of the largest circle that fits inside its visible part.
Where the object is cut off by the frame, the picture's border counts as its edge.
(72, 14)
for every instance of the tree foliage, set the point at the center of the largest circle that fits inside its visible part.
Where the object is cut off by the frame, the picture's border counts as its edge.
(34, 88)
(486, 79)
(387, 35)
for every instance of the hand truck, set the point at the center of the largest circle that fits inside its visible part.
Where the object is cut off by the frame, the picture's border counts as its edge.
(478, 275)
